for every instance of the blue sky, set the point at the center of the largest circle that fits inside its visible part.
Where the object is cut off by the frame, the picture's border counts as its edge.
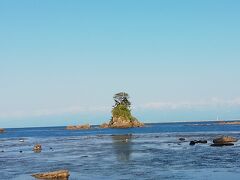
(62, 61)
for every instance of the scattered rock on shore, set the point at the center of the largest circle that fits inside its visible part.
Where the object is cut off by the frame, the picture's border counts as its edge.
(2, 130)
(78, 127)
(192, 143)
(223, 144)
(224, 141)
(61, 174)
(198, 142)
(37, 148)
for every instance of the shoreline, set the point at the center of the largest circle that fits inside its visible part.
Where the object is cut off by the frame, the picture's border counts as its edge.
(220, 122)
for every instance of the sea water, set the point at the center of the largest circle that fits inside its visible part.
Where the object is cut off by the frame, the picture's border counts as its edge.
(151, 152)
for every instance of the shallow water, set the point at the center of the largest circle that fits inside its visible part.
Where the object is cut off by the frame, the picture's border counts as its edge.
(122, 154)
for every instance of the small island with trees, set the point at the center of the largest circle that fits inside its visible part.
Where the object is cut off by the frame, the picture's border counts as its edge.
(121, 113)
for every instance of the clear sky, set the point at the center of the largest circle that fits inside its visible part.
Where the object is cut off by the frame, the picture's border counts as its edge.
(62, 61)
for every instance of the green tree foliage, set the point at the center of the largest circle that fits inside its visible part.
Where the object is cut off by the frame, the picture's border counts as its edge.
(122, 106)
(121, 111)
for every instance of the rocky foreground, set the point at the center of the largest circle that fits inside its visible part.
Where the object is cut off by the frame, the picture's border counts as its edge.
(218, 142)
(121, 142)
(132, 150)
(61, 174)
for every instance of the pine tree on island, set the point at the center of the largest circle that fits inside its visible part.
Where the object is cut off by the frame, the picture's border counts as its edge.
(121, 113)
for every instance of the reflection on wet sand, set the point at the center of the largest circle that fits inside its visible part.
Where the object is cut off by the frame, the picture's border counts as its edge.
(122, 146)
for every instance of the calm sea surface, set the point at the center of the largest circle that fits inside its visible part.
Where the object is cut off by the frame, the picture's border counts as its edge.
(152, 152)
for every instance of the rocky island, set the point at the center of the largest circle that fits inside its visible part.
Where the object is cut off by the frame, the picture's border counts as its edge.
(229, 122)
(121, 113)
(78, 127)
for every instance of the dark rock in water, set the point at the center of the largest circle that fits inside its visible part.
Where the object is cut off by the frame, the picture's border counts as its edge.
(37, 148)
(2, 130)
(20, 151)
(181, 139)
(2, 151)
(202, 141)
(223, 144)
(84, 156)
(192, 143)
(198, 142)
(224, 140)
(61, 174)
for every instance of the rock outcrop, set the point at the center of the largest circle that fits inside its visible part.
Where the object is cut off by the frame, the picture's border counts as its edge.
(37, 148)
(61, 174)
(104, 125)
(224, 141)
(198, 142)
(121, 122)
(2, 130)
(229, 122)
(181, 139)
(79, 127)
(224, 144)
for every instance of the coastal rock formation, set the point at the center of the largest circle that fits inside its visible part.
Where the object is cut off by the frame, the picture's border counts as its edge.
(136, 123)
(104, 125)
(78, 127)
(61, 174)
(121, 113)
(121, 122)
(224, 141)
(2, 130)
(37, 148)
(229, 122)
